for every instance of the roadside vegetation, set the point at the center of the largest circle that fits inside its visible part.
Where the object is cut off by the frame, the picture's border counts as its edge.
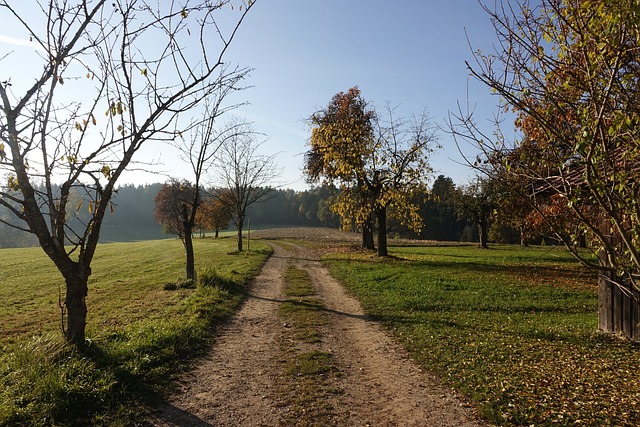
(512, 328)
(307, 369)
(145, 326)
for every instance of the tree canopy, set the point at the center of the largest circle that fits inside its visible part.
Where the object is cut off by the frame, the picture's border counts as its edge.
(569, 71)
(378, 162)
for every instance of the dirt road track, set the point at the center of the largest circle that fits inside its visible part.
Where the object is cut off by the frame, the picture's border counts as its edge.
(239, 382)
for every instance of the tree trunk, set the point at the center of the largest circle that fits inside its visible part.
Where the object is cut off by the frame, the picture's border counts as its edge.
(216, 235)
(76, 306)
(482, 232)
(381, 213)
(523, 239)
(240, 238)
(188, 243)
(188, 246)
(618, 307)
(367, 235)
(582, 240)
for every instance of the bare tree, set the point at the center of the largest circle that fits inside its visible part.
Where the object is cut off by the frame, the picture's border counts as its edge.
(245, 176)
(200, 151)
(114, 75)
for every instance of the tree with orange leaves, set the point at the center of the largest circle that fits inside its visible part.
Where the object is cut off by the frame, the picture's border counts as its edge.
(569, 70)
(213, 214)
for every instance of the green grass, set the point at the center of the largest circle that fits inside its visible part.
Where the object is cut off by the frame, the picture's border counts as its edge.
(141, 330)
(514, 329)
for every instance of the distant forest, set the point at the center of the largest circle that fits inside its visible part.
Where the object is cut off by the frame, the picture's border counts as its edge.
(133, 216)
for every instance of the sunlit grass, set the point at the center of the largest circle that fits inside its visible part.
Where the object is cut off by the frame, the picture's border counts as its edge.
(143, 329)
(513, 328)
(126, 284)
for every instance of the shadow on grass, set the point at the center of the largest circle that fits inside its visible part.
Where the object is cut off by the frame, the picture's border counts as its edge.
(480, 298)
(143, 362)
(514, 270)
(473, 269)
(584, 338)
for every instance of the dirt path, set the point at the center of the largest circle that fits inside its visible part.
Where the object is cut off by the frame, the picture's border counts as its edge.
(240, 383)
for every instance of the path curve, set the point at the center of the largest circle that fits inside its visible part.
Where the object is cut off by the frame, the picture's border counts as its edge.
(237, 383)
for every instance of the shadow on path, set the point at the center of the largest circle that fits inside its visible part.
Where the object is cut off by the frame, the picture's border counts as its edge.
(173, 416)
(326, 310)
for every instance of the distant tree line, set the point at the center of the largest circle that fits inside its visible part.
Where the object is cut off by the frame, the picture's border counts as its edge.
(130, 218)
(441, 206)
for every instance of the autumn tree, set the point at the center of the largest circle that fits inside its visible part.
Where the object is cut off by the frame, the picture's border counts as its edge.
(173, 207)
(476, 202)
(176, 203)
(108, 77)
(341, 137)
(213, 214)
(378, 161)
(569, 71)
(245, 176)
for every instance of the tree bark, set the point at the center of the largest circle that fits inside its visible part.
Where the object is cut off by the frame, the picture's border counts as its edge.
(482, 232)
(188, 246)
(240, 226)
(239, 238)
(367, 235)
(188, 243)
(381, 214)
(76, 306)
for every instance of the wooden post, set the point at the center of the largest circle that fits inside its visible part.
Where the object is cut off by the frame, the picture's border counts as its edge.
(618, 307)
(605, 297)
(618, 301)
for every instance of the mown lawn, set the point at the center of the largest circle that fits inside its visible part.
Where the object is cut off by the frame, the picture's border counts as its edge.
(144, 324)
(512, 328)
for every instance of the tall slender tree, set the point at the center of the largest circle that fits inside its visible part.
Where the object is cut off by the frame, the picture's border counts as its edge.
(206, 139)
(245, 176)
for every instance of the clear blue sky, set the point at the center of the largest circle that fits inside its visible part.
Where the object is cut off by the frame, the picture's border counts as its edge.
(411, 53)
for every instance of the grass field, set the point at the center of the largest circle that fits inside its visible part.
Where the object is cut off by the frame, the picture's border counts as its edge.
(513, 328)
(144, 323)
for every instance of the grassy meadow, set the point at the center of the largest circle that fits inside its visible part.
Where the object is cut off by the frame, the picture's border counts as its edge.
(512, 328)
(144, 323)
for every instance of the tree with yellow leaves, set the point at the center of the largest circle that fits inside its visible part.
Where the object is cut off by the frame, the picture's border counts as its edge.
(377, 162)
